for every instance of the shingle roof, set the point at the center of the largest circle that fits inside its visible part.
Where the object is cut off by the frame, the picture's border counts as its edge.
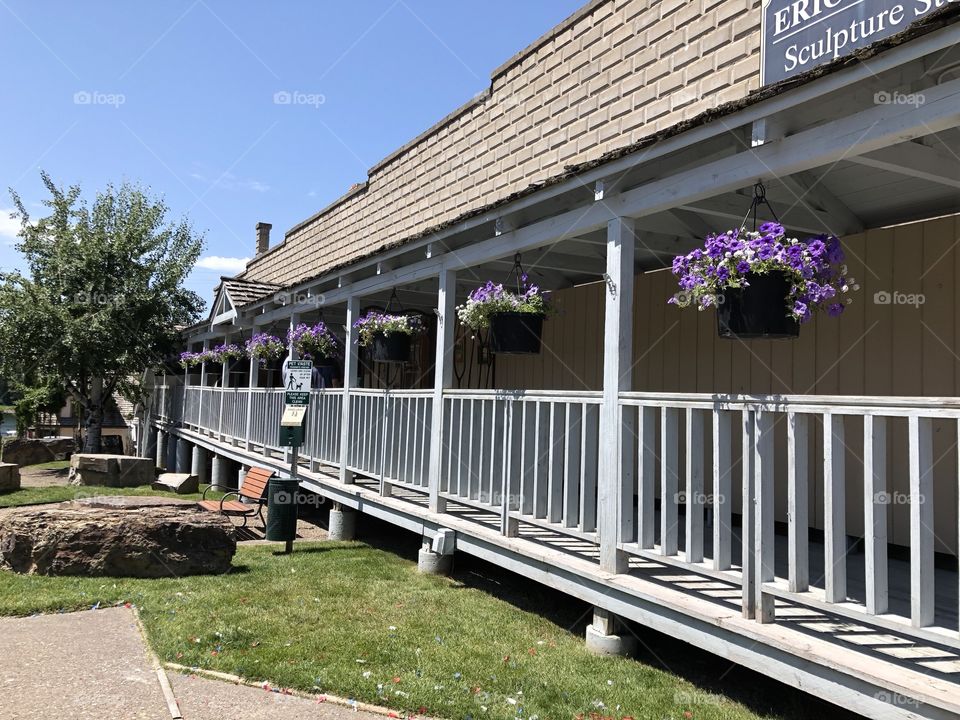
(243, 292)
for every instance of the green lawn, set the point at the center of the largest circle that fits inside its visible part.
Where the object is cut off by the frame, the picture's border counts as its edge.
(52, 465)
(60, 493)
(360, 622)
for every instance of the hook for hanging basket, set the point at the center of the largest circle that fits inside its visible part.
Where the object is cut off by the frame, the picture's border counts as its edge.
(394, 298)
(518, 271)
(759, 198)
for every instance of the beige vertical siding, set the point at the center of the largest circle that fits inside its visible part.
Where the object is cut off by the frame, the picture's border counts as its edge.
(873, 349)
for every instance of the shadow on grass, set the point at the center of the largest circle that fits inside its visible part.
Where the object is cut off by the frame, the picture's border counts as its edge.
(710, 673)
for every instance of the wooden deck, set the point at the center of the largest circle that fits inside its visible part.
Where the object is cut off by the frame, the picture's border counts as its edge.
(861, 665)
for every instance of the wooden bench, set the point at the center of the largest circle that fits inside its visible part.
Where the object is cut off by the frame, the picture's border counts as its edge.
(253, 488)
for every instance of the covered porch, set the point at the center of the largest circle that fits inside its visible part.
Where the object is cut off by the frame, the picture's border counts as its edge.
(790, 505)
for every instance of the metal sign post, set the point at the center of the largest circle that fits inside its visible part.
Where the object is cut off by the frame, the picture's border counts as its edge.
(283, 503)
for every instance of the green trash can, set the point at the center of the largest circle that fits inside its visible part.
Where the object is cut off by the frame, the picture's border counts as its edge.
(282, 510)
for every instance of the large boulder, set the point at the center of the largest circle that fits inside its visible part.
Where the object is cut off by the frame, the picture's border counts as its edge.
(111, 470)
(119, 537)
(32, 451)
(9, 477)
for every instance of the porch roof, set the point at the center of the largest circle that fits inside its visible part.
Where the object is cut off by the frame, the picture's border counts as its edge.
(908, 180)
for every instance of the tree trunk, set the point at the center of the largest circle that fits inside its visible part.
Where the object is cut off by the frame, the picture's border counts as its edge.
(93, 422)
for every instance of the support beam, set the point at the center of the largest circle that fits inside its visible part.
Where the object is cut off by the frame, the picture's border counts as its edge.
(349, 379)
(916, 160)
(442, 379)
(616, 478)
(809, 191)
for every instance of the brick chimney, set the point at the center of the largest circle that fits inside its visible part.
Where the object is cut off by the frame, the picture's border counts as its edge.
(263, 237)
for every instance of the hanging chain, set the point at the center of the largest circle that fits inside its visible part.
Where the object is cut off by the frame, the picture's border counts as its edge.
(759, 198)
(394, 298)
(518, 271)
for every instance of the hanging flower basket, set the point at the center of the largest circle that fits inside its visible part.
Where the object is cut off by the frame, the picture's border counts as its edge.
(514, 319)
(263, 347)
(756, 310)
(189, 359)
(764, 284)
(226, 353)
(315, 341)
(387, 335)
(392, 348)
(516, 333)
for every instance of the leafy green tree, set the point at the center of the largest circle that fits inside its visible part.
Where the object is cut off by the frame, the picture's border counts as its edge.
(103, 297)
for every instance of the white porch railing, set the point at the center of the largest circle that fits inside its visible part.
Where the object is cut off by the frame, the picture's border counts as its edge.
(531, 456)
(711, 457)
(391, 429)
(699, 477)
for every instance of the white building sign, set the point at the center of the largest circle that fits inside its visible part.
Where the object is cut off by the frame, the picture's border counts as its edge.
(801, 34)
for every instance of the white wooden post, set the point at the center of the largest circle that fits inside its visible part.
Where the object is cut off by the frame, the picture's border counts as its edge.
(763, 506)
(615, 478)
(748, 576)
(834, 517)
(798, 518)
(186, 385)
(224, 382)
(921, 521)
(442, 379)
(722, 491)
(646, 476)
(253, 380)
(669, 480)
(875, 511)
(694, 486)
(349, 378)
(203, 383)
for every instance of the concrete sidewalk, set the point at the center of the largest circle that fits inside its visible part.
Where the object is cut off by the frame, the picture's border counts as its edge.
(77, 666)
(94, 665)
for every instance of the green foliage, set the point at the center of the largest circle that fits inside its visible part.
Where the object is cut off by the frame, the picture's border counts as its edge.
(103, 296)
(46, 396)
(62, 493)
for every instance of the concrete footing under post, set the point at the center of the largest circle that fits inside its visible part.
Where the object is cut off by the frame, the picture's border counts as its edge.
(433, 563)
(162, 438)
(150, 447)
(342, 524)
(170, 462)
(198, 464)
(184, 456)
(607, 636)
(223, 472)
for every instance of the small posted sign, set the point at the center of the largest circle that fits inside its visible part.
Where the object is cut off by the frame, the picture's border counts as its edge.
(296, 383)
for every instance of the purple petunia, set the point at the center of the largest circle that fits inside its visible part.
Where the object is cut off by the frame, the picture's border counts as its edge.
(726, 261)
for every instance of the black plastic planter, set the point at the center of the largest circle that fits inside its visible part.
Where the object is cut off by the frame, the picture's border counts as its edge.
(390, 348)
(516, 333)
(757, 311)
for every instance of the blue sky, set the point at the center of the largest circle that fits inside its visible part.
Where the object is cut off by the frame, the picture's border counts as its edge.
(181, 96)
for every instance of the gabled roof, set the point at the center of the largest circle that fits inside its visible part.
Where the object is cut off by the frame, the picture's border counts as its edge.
(233, 293)
(243, 292)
